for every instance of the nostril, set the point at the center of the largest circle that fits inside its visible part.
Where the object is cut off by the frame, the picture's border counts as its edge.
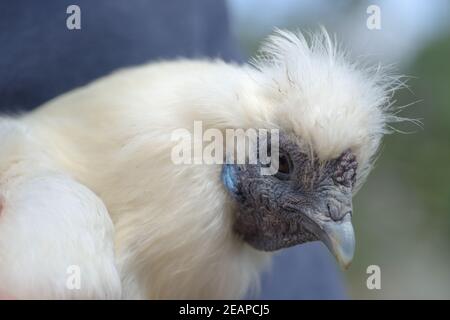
(337, 211)
(333, 211)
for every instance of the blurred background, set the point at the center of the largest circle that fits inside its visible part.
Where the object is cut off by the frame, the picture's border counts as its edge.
(402, 214)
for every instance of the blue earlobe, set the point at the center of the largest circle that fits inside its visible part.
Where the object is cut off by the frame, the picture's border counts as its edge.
(229, 179)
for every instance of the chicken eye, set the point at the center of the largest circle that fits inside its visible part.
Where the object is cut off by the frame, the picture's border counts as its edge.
(284, 166)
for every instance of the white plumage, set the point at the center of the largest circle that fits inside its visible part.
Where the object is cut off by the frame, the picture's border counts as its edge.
(87, 179)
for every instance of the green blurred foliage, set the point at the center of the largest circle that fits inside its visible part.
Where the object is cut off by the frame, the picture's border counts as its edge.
(402, 214)
(423, 157)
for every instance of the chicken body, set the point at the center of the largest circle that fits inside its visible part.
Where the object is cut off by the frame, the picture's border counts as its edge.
(111, 140)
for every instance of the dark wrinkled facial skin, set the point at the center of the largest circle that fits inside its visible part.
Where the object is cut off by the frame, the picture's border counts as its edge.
(290, 207)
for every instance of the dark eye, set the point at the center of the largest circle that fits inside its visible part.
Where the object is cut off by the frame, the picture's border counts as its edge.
(284, 166)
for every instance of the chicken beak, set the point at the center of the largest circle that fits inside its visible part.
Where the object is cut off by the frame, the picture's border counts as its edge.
(339, 237)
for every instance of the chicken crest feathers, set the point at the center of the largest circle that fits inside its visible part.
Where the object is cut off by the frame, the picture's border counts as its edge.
(327, 99)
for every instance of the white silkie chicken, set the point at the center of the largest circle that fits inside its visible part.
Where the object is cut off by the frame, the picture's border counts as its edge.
(87, 182)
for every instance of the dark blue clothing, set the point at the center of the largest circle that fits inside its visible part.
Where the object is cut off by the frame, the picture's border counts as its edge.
(307, 271)
(40, 59)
